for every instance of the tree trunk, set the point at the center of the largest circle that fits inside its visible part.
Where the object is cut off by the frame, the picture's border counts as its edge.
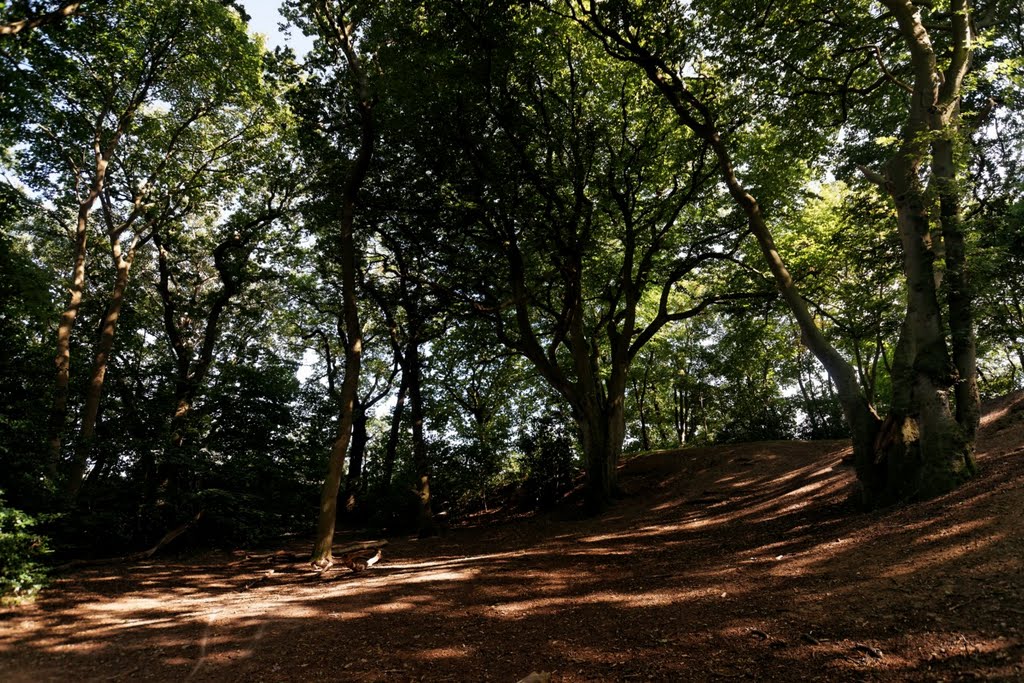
(391, 453)
(341, 35)
(645, 440)
(922, 451)
(424, 515)
(356, 453)
(322, 555)
(958, 293)
(59, 408)
(94, 393)
(602, 429)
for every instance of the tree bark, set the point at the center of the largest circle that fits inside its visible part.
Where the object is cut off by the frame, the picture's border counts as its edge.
(391, 452)
(59, 408)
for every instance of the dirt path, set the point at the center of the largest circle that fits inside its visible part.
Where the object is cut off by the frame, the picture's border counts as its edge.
(728, 563)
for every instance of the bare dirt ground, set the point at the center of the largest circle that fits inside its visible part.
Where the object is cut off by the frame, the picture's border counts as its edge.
(730, 563)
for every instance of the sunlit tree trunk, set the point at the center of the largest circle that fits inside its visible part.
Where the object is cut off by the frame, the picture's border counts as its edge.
(59, 408)
(104, 346)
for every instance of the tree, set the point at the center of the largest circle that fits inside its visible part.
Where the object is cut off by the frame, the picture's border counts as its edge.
(171, 165)
(567, 202)
(345, 82)
(95, 86)
(924, 446)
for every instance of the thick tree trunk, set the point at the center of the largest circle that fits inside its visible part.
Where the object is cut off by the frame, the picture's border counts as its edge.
(602, 430)
(922, 451)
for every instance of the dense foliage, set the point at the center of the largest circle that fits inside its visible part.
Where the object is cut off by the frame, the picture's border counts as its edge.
(465, 254)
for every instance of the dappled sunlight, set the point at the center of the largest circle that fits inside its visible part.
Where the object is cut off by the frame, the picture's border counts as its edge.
(946, 555)
(434, 654)
(695, 584)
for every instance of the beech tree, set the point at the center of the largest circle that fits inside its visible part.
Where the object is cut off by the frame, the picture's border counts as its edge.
(171, 165)
(925, 444)
(99, 86)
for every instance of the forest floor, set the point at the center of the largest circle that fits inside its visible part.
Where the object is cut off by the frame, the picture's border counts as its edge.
(742, 562)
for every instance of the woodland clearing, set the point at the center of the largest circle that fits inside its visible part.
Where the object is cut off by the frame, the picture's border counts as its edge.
(737, 562)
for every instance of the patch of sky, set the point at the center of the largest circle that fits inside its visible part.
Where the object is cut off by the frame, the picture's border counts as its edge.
(266, 19)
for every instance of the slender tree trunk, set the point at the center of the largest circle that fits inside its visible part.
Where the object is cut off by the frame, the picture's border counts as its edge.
(94, 393)
(322, 555)
(341, 34)
(356, 453)
(425, 518)
(645, 441)
(659, 421)
(959, 296)
(59, 408)
(391, 452)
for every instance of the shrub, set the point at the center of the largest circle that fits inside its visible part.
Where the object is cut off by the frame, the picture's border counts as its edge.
(21, 573)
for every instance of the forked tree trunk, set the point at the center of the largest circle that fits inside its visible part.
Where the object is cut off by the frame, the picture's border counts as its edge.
(94, 392)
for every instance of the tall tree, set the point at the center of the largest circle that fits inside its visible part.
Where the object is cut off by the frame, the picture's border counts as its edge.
(171, 165)
(344, 87)
(568, 202)
(92, 82)
(923, 446)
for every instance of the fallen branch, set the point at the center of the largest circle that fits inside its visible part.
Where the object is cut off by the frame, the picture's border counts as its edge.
(168, 537)
(141, 555)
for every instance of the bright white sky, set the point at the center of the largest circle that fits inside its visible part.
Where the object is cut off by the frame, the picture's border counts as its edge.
(265, 19)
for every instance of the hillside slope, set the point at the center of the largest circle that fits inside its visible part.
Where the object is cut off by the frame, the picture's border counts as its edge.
(731, 563)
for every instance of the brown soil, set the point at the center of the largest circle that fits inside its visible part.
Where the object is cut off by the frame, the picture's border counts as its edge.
(731, 563)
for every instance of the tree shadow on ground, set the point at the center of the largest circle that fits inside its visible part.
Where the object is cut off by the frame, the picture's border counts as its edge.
(742, 562)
